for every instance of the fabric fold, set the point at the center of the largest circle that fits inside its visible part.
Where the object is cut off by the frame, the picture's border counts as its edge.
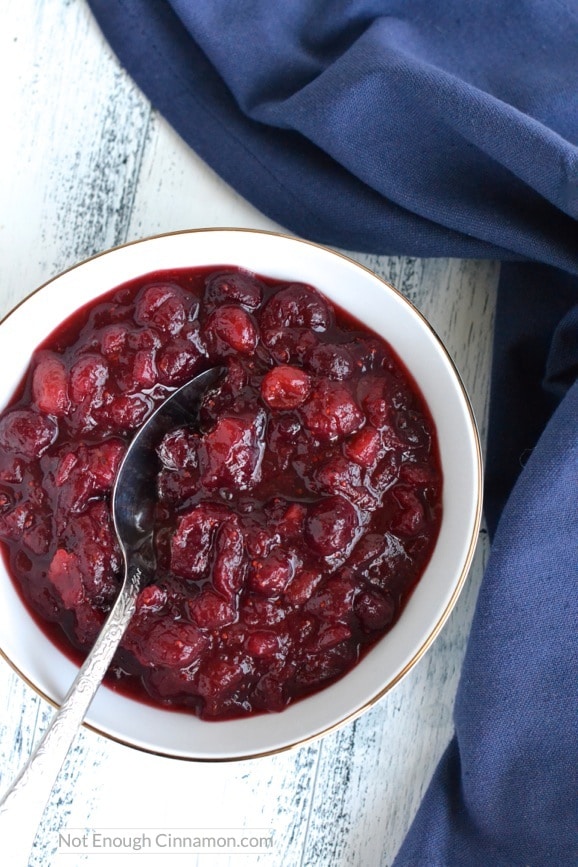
(505, 791)
(450, 129)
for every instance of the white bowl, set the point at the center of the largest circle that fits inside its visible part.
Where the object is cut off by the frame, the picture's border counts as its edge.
(381, 307)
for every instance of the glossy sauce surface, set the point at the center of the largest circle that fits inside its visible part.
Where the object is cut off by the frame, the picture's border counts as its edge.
(291, 528)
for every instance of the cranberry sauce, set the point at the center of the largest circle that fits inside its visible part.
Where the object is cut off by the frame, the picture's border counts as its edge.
(290, 528)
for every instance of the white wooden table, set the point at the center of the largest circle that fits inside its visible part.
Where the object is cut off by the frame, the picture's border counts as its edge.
(86, 164)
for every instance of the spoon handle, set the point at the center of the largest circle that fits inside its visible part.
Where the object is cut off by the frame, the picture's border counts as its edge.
(22, 805)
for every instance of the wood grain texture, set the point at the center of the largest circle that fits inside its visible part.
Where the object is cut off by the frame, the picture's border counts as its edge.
(86, 164)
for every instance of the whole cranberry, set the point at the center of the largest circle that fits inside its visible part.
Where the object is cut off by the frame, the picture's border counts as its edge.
(296, 306)
(271, 575)
(192, 543)
(332, 525)
(162, 305)
(230, 455)
(27, 433)
(331, 412)
(233, 286)
(171, 643)
(364, 446)
(232, 327)
(50, 385)
(374, 609)
(285, 387)
(332, 360)
(87, 378)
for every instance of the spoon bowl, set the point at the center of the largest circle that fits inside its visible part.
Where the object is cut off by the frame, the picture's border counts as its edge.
(133, 506)
(133, 493)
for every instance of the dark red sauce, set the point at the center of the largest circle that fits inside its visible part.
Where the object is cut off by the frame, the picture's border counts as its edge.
(291, 528)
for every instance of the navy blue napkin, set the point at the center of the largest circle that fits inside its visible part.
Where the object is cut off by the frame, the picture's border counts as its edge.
(445, 128)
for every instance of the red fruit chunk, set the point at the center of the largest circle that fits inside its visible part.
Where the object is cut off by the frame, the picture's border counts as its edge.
(234, 286)
(143, 339)
(330, 636)
(326, 665)
(369, 353)
(332, 526)
(50, 385)
(387, 564)
(144, 370)
(236, 375)
(229, 566)
(233, 327)
(292, 345)
(262, 644)
(411, 517)
(11, 467)
(192, 541)
(303, 586)
(85, 473)
(16, 521)
(292, 521)
(413, 429)
(418, 475)
(333, 601)
(161, 305)
(282, 436)
(175, 487)
(178, 449)
(260, 612)
(375, 399)
(37, 538)
(272, 575)
(94, 543)
(75, 492)
(331, 413)
(89, 622)
(297, 306)
(65, 467)
(64, 574)
(127, 411)
(331, 360)
(369, 547)
(151, 599)
(271, 694)
(375, 610)
(302, 627)
(112, 341)
(25, 520)
(341, 476)
(178, 361)
(363, 447)
(338, 475)
(27, 433)
(170, 316)
(230, 455)
(170, 643)
(87, 379)
(285, 387)
(171, 686)
(219, 676)
(103, 462)
(259, 541)
(209, 610)
(386, 472)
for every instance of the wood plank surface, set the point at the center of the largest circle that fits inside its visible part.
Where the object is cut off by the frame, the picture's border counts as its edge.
(85, 164)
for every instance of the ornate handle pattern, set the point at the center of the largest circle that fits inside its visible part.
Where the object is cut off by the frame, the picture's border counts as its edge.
(22, 806)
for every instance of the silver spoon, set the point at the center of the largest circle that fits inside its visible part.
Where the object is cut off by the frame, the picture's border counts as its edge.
(133, 495)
